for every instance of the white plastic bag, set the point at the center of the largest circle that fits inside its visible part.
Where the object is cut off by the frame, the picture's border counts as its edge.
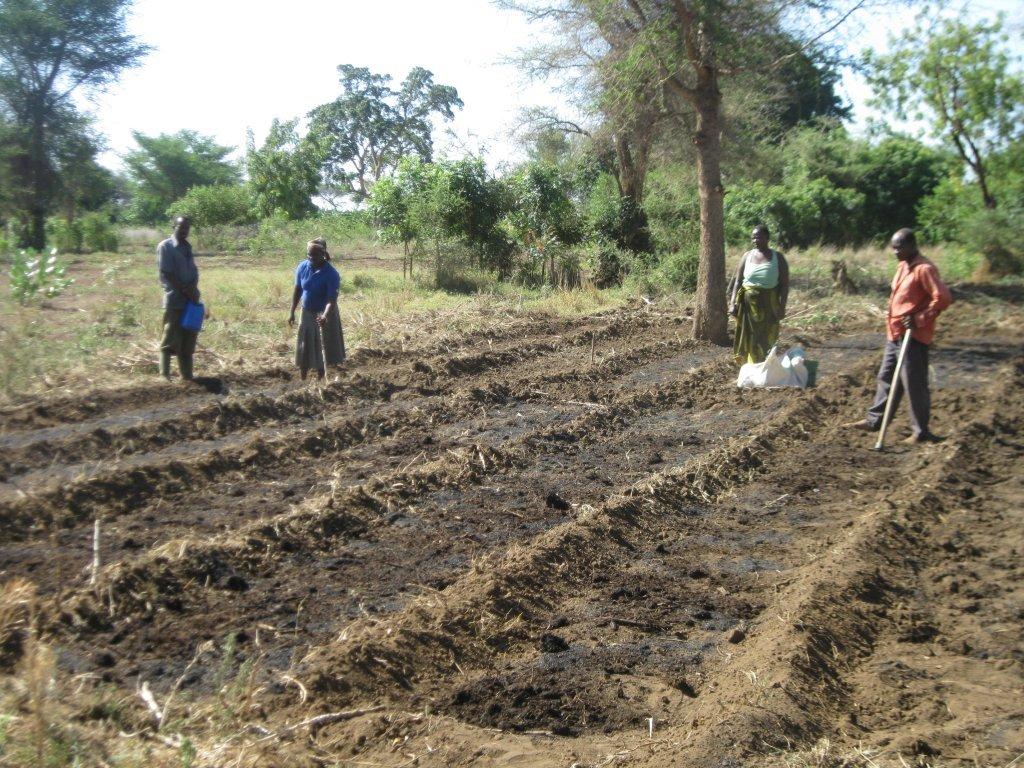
(777, 370)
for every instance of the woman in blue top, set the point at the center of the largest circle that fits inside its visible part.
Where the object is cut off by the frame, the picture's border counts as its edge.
(758, 301)
(320, 341)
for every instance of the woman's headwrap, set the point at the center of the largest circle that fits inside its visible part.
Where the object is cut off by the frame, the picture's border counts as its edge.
(318, 245)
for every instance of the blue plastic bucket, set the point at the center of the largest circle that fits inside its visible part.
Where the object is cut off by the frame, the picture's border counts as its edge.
(192, 317)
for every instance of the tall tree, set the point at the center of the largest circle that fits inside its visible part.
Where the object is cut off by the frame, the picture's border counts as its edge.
(48, 50)
(83, 184)
(686, 48)
(283, 173)
(962, 79)
(167, 166)
(9, 180)
(806, 84)
(371, 126)
(629, 117)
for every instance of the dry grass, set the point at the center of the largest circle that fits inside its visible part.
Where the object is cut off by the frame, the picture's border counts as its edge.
(17, 604)
(825, 754)
(103, 331)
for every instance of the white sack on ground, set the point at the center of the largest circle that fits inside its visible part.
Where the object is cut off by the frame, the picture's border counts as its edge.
(778, 370)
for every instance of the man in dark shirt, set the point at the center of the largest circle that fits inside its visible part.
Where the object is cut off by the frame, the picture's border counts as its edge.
(179, 277)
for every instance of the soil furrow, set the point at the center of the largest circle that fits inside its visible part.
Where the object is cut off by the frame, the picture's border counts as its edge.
(511, 550)
(123, 434)
(136, 479)
(516, 643)
(391, 513)
(838, 608)
(271, 381)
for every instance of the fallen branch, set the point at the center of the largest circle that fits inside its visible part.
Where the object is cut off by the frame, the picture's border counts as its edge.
(315, 723)
(630, 623)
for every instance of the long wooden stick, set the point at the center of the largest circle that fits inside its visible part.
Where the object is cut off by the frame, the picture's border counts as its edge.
(323, 346)
(890, 400)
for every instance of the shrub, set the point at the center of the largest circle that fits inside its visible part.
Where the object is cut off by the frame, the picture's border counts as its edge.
(894, 176)
(673, 211)
(617, 219)
(607, 265)
(463, 280)
(814, 211)
(64, 235)
(955, 213)
(363, 281)
(98, 232)
(215, 205)
(679, 268)
(278, 234)
(941, 215)
(6, 240)
(998, 236)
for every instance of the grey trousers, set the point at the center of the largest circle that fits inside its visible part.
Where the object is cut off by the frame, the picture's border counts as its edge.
(913, 379)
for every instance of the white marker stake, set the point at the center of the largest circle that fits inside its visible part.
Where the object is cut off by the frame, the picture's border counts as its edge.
(95, 551)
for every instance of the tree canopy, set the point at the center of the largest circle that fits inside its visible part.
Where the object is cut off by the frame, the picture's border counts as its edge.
(962, 80)
(654, 60)
(165, 167)
(371, 126)
(284, 173)
(48, 50)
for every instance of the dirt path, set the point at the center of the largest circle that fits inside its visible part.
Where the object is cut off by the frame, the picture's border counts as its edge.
(514, 550)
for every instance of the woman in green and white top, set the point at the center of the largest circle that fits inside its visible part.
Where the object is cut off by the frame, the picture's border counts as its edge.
(758, 302)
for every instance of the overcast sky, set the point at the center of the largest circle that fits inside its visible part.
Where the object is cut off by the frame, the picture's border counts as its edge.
(221, 67)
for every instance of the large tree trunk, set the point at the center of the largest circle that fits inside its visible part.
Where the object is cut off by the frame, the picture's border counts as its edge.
(630, 176)
(631, 173)
(986, 193)
(710, 321)
(38, 182)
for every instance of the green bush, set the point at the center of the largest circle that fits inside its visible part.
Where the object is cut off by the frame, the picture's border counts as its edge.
(894, 176)
(941, 215)
(215, 205)
(463, 280)
(617, 219)
(673, 210)
(363, 281)
(89, 232)
(279, 234)
(998, 236)
(955, 213)
(98, 232)
(679, 268)
(6, 240)
(815, 211)
(606, 264)
(64, 235)
(957, 263)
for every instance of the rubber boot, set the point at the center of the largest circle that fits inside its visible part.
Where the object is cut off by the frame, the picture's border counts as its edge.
(185, 366)
(165, 364)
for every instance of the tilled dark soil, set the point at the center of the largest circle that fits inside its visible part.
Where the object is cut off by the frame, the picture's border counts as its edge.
(555, 542)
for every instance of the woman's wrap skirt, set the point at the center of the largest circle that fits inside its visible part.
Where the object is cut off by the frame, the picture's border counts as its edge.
(311, 345)
(758, 312)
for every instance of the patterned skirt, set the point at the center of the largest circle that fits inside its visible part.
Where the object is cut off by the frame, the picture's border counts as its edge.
(757, 323)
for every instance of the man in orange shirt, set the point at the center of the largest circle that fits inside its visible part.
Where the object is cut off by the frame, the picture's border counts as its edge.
(918, 296)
